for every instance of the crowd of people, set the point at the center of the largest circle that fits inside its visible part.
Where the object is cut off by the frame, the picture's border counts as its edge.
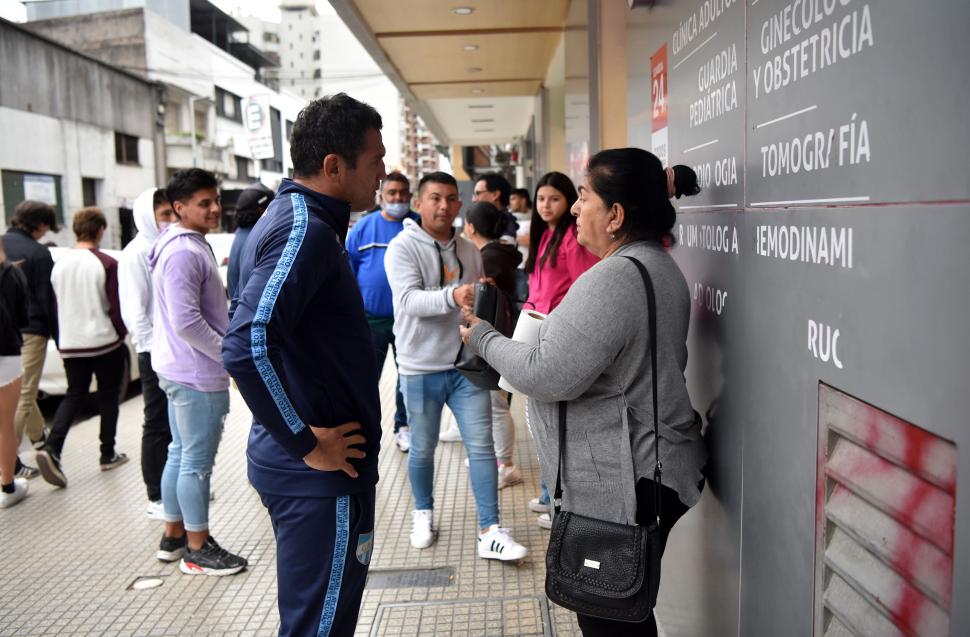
(306, 294)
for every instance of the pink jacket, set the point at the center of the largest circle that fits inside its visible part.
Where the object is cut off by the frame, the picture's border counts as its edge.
(547, 284)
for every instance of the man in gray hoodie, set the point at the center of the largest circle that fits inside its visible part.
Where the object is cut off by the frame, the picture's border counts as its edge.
(432, 271)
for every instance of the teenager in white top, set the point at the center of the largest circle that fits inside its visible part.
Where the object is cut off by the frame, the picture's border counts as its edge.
(91, 341)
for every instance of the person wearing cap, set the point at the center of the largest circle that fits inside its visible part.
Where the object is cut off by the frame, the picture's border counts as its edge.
(153, 213)
(250, 206)
(366, 245)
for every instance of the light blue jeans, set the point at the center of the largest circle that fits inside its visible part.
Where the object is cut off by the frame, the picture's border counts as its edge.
(196, 418)
(424, 396)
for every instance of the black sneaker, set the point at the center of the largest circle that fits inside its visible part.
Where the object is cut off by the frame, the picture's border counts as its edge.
(212, 559)
(50, 468)
(115, 461)
(39, 444)
(27, 472)
(171, 548)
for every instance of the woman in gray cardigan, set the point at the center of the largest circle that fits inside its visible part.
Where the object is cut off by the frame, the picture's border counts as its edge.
(593, 352)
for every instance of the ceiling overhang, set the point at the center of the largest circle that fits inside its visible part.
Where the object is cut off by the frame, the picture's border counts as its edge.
(454, 65)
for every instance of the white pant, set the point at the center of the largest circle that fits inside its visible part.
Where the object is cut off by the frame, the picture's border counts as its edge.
(503, 427)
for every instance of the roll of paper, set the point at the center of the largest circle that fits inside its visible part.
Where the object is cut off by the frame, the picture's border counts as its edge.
(526, 331)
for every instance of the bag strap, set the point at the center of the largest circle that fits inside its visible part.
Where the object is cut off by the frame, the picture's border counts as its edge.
(658, 467)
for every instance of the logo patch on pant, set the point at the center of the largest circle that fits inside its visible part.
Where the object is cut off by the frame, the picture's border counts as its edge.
(365, 547)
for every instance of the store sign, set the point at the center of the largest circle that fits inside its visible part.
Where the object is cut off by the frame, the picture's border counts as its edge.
(258, 127)
(658, 104)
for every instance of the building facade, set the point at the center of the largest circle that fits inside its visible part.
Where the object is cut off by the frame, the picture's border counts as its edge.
(299, 46)
(208, 72)
(86, 135)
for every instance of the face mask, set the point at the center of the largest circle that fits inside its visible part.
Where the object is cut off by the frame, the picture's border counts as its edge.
(397, 210)
(162, 225)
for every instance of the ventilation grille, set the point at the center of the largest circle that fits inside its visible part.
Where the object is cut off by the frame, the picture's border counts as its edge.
(884, 523)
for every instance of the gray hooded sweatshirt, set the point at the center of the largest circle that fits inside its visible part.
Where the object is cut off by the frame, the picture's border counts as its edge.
(423, 274)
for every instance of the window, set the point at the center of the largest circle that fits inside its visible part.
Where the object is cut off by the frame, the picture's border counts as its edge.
(316, 74)
(289, 129)
(126, 149)
(271, 38)
(18, 186)
(316, 52)
(228, 105)
(242, 168)
(89, 191)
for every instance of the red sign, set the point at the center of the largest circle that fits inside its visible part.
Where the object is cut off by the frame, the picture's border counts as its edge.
(658, 89)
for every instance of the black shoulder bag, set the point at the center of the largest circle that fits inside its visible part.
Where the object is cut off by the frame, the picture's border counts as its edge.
(607, 569)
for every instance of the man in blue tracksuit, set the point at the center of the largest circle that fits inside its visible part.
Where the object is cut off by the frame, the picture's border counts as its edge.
(296, 345)
(366, 246)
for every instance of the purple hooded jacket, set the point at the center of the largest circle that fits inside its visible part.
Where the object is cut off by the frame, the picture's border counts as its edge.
(191, 312)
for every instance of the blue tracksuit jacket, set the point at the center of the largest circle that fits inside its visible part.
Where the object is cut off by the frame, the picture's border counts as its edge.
(299, 345)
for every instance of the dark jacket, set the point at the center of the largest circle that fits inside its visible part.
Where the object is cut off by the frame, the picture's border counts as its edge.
(299, 346)
(500, 261)
(13, 308)
(36, 263)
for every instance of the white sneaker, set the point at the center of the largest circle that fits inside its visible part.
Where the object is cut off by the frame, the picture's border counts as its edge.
(403, 439)
(537, 505)
(155, 510)
(452, 434)
(422, 528)
(497, 544)
(545, 521)
(508, 475)
(20, 488)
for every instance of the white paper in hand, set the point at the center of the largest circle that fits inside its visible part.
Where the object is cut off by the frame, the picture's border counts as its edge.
(526, 331)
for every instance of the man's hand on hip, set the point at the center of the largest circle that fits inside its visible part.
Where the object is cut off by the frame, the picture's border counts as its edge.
(334, 448)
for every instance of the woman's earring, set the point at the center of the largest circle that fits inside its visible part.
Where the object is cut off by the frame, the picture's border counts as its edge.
(612, 236)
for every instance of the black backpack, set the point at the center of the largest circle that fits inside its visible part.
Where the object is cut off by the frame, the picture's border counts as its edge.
(493, 306)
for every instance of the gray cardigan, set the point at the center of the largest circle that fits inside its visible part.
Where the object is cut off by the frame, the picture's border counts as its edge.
(593, 353)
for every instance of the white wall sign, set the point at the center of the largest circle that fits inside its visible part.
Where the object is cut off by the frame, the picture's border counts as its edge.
(40, 188)
(258, 127)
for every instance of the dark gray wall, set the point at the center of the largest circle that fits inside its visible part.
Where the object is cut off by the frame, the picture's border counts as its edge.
(116, 37)
(40, 76)
(743, 562)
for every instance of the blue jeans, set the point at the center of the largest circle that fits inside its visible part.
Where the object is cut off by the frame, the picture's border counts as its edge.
(425, 395)
(382, 338)
(196, 419)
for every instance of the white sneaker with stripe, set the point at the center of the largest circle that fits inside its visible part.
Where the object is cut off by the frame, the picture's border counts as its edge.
(497, 544)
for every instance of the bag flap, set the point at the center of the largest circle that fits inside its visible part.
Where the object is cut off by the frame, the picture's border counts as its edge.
(603, 558)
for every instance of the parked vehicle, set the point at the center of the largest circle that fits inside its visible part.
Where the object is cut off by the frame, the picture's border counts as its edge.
(53, 382)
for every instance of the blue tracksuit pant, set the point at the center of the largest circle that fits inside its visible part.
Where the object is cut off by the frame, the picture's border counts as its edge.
(323, 549)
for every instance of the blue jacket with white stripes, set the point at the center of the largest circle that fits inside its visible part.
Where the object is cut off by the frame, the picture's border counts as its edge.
(299, 346)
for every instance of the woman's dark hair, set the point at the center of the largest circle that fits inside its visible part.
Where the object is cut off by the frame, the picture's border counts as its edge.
(567, 221)
(336, 124)
(30, 215)
(87, 223)
(488, 220)
(685, 181)
(635, 179)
